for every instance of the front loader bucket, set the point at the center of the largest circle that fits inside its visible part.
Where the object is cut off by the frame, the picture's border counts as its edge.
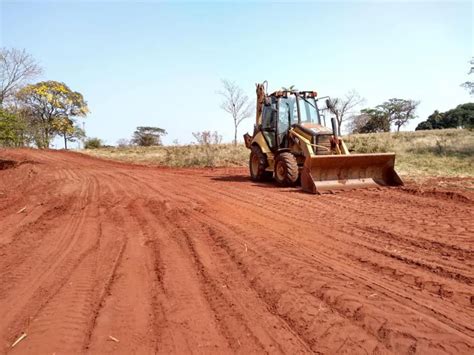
(335, 172)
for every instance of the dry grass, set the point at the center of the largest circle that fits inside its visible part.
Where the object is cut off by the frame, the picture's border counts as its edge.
(419, 154)
(448, 152)
(224, 155)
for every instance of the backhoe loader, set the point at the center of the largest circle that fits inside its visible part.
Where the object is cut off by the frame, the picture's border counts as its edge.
(292, 143)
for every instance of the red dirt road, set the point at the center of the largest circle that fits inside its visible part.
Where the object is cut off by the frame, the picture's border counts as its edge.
(104, 257)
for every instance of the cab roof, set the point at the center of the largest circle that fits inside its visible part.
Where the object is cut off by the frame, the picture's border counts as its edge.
(286, 93)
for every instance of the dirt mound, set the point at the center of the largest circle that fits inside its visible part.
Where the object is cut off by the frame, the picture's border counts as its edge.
(438, 194)
(100, 257)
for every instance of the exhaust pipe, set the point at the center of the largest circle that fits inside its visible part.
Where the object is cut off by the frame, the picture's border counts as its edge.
(334, 126)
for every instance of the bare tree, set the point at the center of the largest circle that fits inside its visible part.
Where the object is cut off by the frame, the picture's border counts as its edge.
(469, 85)
(207, 137)
(357, 122)
(342, 107)
(16, 68)
(123, 143)
(236, 103)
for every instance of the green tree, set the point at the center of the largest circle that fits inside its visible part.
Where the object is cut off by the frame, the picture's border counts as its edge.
(461, 116)
(68, 130)
(399, 111)
(148, 136)
(379, 119)
(93, 143)
(48, 101)
(12, 130)
(424, 126)
(373, 120)
(436, 120)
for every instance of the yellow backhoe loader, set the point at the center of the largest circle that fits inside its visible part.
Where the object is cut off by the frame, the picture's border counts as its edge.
(292, 143)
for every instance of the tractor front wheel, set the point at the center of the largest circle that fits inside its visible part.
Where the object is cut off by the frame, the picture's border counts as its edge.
(257, 165)
(286, 169)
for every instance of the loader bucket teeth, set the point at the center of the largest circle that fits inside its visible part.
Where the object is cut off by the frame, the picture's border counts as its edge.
(343, 172)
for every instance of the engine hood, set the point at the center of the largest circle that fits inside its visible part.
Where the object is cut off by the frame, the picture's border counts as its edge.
(313, 129)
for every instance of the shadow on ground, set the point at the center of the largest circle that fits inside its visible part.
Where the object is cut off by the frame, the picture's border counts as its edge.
(7, 164)
(232, 178)
(246, 179)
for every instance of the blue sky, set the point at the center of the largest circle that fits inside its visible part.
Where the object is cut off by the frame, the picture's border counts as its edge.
(160, 63)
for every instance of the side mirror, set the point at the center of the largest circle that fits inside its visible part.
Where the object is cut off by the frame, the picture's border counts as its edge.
(328, 103)
(324, 103)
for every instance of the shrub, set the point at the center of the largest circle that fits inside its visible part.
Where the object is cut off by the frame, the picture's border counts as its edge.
(93, 143)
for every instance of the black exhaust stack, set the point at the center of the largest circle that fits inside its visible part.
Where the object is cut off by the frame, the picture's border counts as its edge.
(334, 126)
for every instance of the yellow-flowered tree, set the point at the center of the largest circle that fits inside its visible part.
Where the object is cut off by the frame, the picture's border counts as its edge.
(67, 128)
(53, 106)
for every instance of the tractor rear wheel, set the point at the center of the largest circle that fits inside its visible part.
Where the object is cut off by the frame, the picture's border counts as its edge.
(257, 165)
(286, 169)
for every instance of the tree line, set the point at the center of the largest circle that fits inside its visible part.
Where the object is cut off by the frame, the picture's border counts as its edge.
(34, 114)
(396, 112)
(393, 112)
(461, 116)
(144, 136)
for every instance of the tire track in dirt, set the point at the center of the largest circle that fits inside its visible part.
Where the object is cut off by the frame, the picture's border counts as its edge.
(329, 233)
(127, 301)
(326, 215)
(184, 307)
(436, 269)
(257, 212)
(295, 297)
(57, 262)
(82, 296)
(241, 233)
(176, 260)
(225, 291)
(300, 298)
(230, 319)
(337, 305)
(34, 278)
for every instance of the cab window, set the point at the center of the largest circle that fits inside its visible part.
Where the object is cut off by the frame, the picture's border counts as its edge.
(287, 113)
(267, 118)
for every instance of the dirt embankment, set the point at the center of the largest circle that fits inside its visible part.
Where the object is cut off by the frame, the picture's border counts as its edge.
(105, 257)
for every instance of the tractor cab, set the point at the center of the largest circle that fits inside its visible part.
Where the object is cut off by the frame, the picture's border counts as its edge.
(286, 110)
